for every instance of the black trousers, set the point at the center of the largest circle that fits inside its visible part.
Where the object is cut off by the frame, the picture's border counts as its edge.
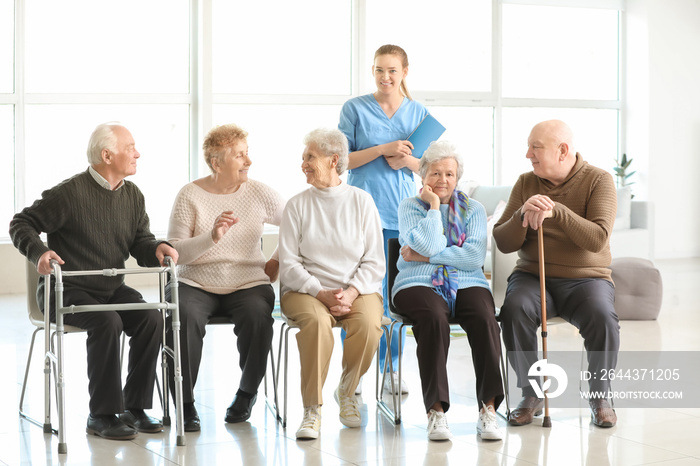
(249, 310)
(588, 304)
(104, 328)
(475, 313)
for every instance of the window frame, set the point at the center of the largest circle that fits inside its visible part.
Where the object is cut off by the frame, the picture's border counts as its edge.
(201, 98)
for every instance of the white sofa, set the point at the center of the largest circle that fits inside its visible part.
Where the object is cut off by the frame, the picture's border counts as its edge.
(632, 235)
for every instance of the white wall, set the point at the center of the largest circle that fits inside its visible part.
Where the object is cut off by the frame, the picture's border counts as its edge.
(663, 116)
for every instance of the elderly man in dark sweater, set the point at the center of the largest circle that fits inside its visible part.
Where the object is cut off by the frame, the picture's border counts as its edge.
(94, 220)
(580, 203)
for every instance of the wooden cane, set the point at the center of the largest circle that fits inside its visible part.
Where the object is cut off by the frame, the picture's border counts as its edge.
(547, 421)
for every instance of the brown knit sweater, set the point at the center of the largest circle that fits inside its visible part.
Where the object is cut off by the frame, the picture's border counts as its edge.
(577, 237)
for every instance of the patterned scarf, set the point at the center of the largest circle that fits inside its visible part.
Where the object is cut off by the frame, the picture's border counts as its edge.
(445, 278)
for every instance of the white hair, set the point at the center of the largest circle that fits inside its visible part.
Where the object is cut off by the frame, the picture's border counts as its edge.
(103, 137)
(439, 150)
(330, 141)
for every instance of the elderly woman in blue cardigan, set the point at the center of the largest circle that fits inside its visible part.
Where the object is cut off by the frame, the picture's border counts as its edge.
(443, 237)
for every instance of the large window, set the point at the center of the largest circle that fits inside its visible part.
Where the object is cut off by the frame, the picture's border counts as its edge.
(448, 42)
(282, 47)
(85, 63)
(470, 129)
(85, 46)
(560, 63)
(171, 69)
(7, 178)
(7, 30)
(551, 52)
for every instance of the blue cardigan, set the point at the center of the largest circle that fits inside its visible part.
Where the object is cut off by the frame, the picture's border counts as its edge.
(423, 230)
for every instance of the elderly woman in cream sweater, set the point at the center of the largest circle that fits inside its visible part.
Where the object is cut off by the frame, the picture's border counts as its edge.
(216, 225)
(331, 270)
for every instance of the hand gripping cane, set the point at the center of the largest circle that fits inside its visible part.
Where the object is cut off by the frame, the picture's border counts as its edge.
(546, 421)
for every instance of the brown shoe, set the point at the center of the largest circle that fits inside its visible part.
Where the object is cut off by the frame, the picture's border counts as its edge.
(528, 407)
(602, 413)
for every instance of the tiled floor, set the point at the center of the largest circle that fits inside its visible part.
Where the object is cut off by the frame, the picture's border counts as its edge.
(642, 436)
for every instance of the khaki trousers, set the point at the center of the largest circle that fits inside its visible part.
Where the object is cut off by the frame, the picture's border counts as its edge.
(315, 340)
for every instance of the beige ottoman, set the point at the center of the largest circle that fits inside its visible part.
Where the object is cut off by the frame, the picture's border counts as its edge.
(638, 288)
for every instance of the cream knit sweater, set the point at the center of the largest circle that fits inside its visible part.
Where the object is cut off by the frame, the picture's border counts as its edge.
(236, 262)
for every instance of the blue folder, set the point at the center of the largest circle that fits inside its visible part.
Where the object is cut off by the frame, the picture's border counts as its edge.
(427, 131)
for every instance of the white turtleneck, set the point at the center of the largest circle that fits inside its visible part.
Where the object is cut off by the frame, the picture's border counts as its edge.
(331, 238)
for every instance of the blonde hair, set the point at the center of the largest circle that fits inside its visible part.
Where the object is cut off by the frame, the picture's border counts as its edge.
(219, 140)
(400, 53)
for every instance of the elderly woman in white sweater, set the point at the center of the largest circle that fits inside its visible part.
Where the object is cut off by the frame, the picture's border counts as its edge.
(331, 270)
(216, 225)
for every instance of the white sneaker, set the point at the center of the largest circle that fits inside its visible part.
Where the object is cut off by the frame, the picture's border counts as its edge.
(387, 384)
(311, 424)
(487, 426)
(349, 411)
(358, 390)
(437, 426)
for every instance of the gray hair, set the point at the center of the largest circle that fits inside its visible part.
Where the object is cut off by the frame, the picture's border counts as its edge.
(103, 137)
(439, 150)
(330, 141)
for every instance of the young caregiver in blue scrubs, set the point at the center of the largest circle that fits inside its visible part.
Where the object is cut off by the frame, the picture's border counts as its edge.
(377, 126)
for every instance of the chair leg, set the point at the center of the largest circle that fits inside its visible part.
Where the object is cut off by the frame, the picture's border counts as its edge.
(388, 364)
(286, 367)
(504, 376)
(274, 406)
(47, 391)
(396, 391)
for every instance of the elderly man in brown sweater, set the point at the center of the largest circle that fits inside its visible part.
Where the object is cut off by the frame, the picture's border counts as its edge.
(579, 203)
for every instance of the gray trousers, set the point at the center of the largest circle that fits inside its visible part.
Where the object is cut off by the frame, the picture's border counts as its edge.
(586, 303)
(250, 312)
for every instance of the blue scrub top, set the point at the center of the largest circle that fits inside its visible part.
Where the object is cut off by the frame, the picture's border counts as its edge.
(366, 125)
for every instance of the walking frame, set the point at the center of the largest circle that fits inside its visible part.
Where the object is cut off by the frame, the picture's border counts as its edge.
(56, 358)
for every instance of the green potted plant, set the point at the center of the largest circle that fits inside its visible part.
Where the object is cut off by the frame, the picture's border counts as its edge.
(621, 175)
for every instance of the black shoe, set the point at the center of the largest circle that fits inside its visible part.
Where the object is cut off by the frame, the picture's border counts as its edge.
(109, 426)
(139, 420)
(191, 417)
(240, 408)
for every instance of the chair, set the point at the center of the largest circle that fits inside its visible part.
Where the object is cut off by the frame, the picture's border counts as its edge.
(56, 357)
(502, 266)
(289, 324)
(394, 250)
(223, 320)
(36, 317)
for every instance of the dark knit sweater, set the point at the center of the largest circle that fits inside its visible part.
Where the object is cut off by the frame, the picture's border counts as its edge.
(90, 227)
(577, 237)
